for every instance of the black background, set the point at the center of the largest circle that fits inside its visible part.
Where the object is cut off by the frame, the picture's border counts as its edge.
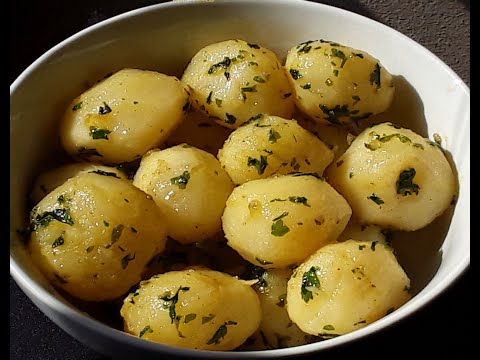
(443, 26)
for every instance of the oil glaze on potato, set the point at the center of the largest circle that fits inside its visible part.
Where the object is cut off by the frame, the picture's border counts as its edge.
(123, 116)
(190, 186)
(272, 145)
(233, 81)
(194, 308)
(93, 236)
(394, 178)
(280, 221)
(276, 329)
(49, 180)
(337, 84)
(346, 286)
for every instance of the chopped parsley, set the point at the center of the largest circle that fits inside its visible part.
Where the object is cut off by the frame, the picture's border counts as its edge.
(309, 281)
(181, 181)
(253, 46)
(145, 330)
(42, 220)
(358, 55)
(339, 54)
(218, 102)
(98, 134)
(126, 259)
(304, 47)
(259, 79)
(189, 317)
(278, 228)
(104, 109)
(333, 114)
(224, 64)
(208, 318)
(255, 272)
(220, 333)
(77, 106)
(295, 74)
(273, 136)
(405, 185)
(377, 141)
(116, 233)
(171, 300)
(58, 241)
(209, 97)
(375, 76)
(375, 199)
(230, 118)
(306, 86)
(299, 200)
(329, 327)
(104, 173)
(83, 151)
(260, 165)
(281, 300)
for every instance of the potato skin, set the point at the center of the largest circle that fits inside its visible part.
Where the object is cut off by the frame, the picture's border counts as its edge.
(93, 235)
(191, 188)
(346, 286)
(209, 304)
(272, 145)
(280, 221)
(49, 180)
(337, 84)
(394, 178)
(123, 116)
(233, 81)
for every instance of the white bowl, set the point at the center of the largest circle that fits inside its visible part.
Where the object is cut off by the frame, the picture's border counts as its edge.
(430, 99)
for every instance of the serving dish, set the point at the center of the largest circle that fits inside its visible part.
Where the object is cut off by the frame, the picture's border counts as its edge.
(53, 73)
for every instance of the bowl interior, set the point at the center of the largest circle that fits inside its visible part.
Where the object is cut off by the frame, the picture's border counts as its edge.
(429, 99)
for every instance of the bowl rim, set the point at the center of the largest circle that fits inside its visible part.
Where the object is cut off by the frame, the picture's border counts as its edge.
(31, 287)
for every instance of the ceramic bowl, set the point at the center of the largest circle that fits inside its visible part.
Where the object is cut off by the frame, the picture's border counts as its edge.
(430, 98)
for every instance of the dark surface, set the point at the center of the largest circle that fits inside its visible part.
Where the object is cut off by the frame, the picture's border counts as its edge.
(442, 26)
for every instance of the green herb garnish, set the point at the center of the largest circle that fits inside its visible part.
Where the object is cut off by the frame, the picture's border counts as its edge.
(405, 185)
(104, 109)
(309, 281)
(260, 165)
(181, 181)
(220, 333)
(171, 300)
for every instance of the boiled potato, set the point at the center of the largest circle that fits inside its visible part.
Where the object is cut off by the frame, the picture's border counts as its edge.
(272, 145)
(194, 308)
(93, 235)
(200, 131)
(279, 221)
(123, 116)
(357, 231)
(190, 186)
(49, 180)
(346, 286)
(276, 329)
(394, 178)
(337, 84)
(233, 81)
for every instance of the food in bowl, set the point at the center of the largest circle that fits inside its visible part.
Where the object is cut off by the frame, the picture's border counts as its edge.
(95, 235)
(169, 261)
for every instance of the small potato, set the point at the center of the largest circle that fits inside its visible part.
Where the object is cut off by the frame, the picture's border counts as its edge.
(191, 188)
(272, 145)
(194, 308)
(122, 117)
(346, 286)
(93, 235)
(280, 221)
(200, 131)
(337, 84)
(394, 178)
(354, 230)
(276, 329)
(233, 81)
(49, 180)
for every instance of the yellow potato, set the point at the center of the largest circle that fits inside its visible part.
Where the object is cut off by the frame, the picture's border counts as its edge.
(337, 84)
(357, 231)
(200, 131)
(49, 180)
(280, 221)
(394, 178)
(233, 81)
(122, 117)
(346, 286)
(93, 235)
(194, 308)
(191, 188)
(272, 145)
(276, 329)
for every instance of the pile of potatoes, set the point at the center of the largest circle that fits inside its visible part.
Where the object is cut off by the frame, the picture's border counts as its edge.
(216, 219)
